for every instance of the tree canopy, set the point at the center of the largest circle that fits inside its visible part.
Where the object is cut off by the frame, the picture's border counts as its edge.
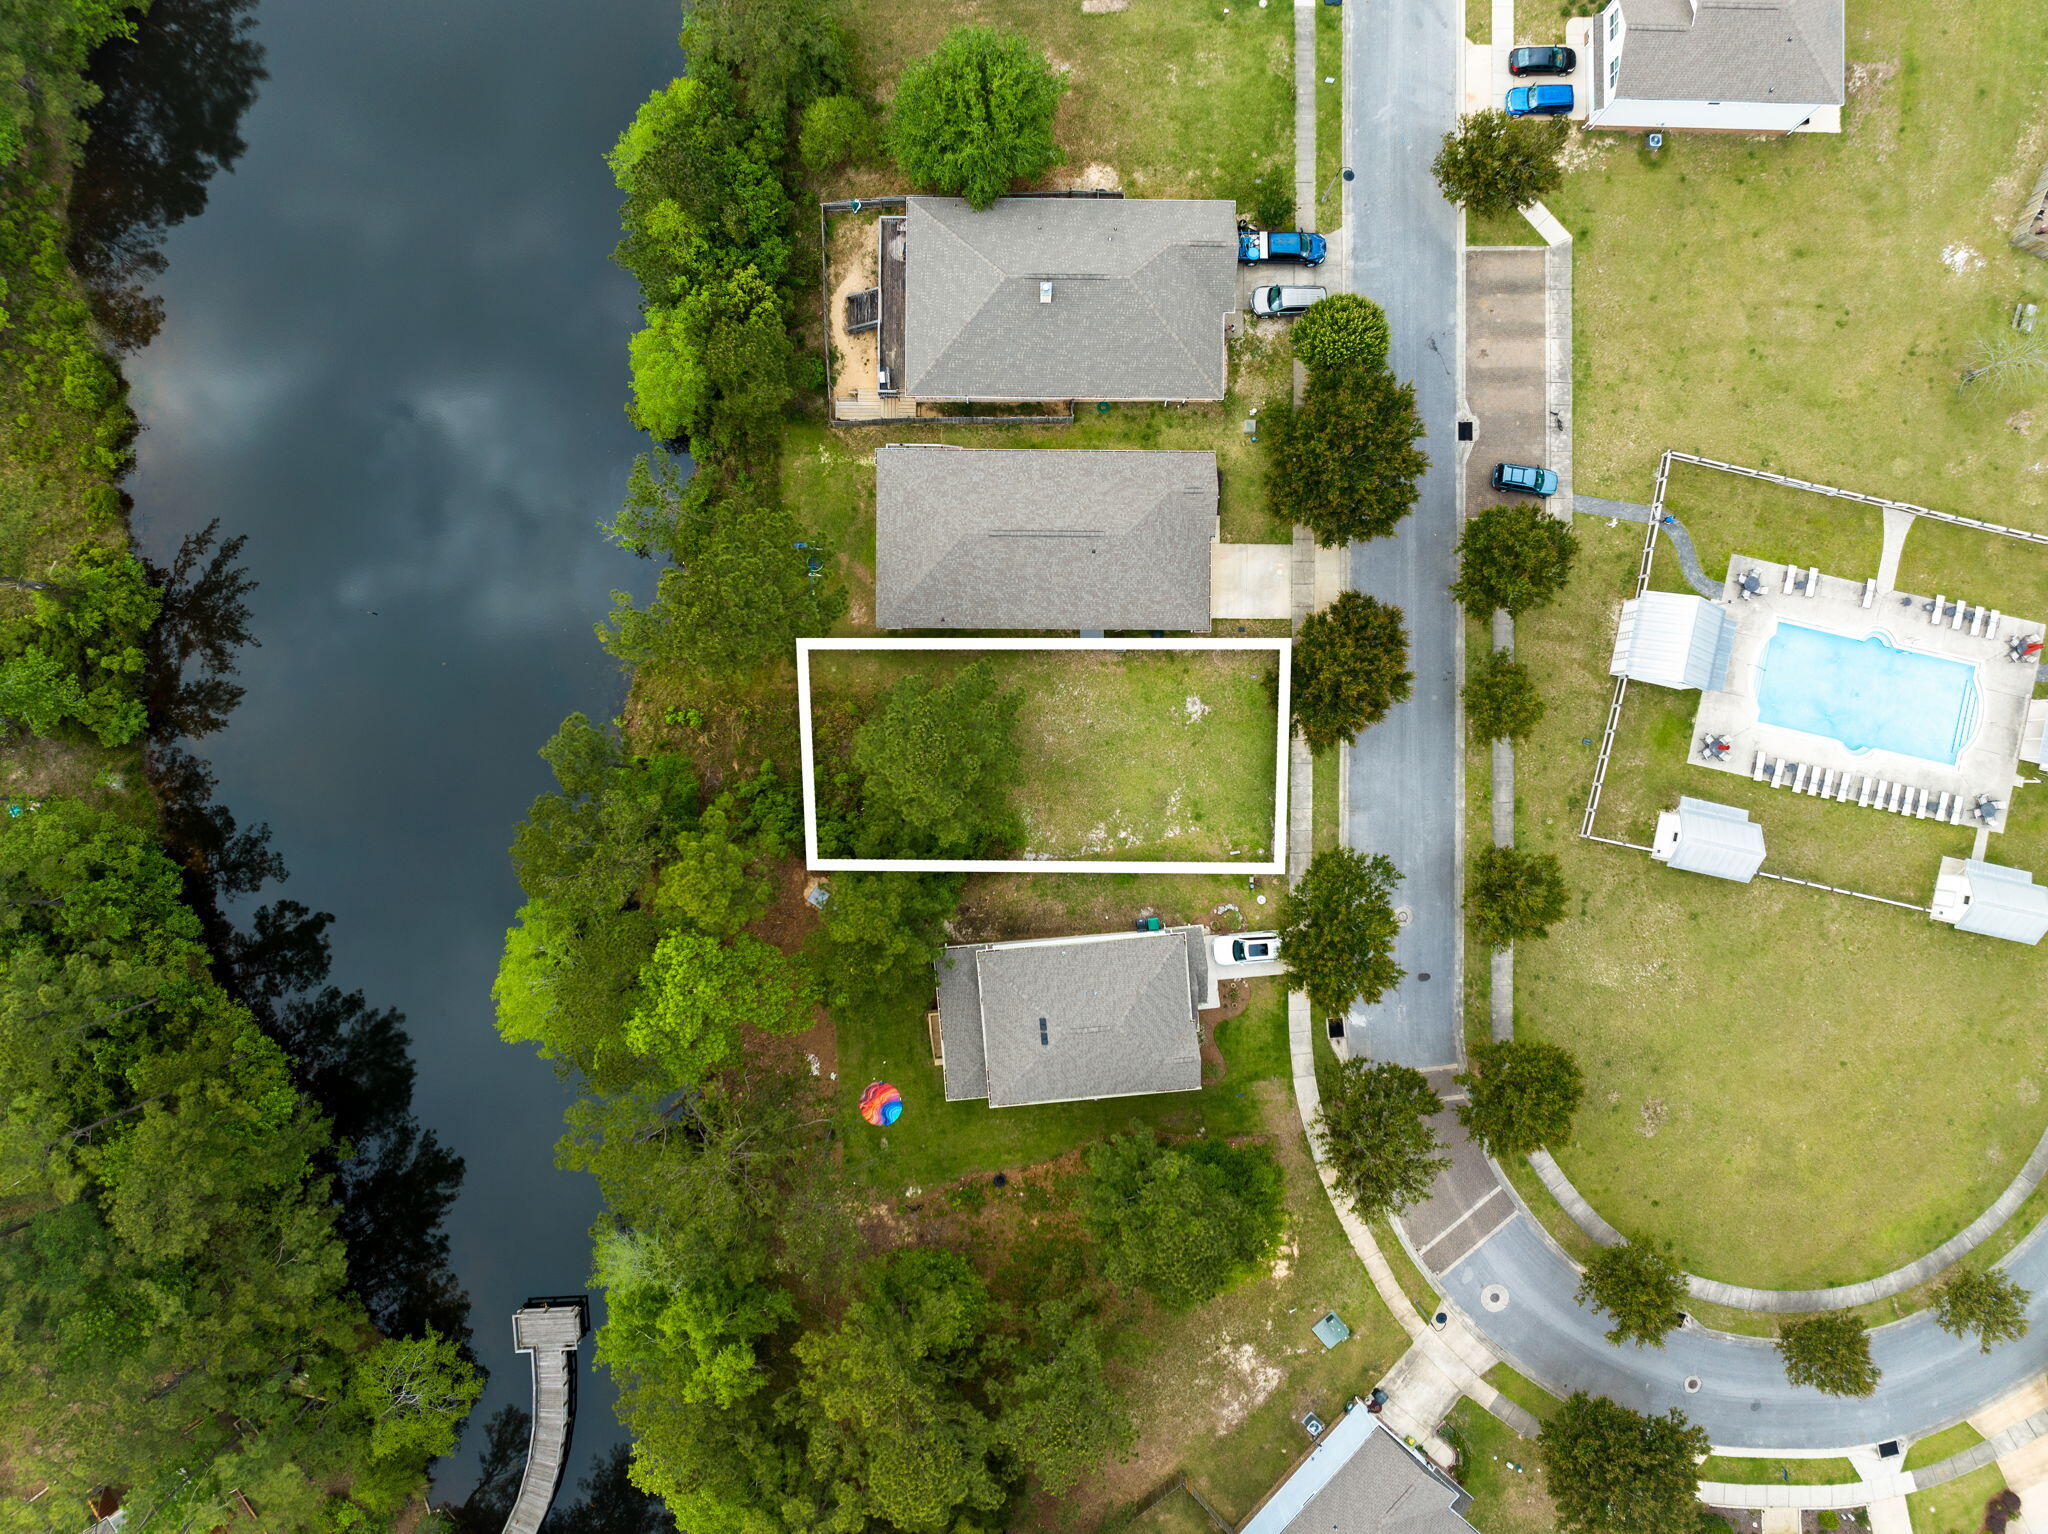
(1337, 930)
(78, 656)
(1514, 895)
(1521, 1095)
(1344, 330)
(976, 115)
(1614, 1471)
(1983, 1302)
(1344, 462)
(1514, 558)
(935, 764)
(1830, 1352)
(1375, 1137)
(1350, 667)
(836, 129)
(1181, 1222)
(1501, 701)
(1494, 164)
(1641, 1289)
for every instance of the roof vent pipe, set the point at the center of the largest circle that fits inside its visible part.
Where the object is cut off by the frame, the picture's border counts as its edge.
(1045, 292)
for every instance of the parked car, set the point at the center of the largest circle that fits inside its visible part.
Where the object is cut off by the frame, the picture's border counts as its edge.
(1539, 101)
(1542, 61)
(1246, 948)
(1285, 300)
(1254, 245)
(1525, 478)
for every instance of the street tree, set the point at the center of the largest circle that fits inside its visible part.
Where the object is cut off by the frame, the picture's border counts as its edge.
(1344, 463)
(1830, 1352)
(1513, 558)
(1494, 164)
(1501, 701)
(1376, 1139)
(1641, 1289)
(1614, 1471)
(1985, 1302)
(1344, 330)
(1514, 895)
(1521, 1095)
(1337, 930)
(975, 116)
(1350, 667)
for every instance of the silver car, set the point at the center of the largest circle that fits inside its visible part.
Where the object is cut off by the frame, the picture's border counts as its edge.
(1285, 300)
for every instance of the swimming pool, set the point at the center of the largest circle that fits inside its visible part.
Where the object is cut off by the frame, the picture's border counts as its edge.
(1866, 693)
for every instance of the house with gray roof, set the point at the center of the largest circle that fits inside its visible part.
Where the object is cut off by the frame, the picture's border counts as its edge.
(1057, 298)
(1362, 1479)
(1741, 66)
(1043, 538)
(1055, 1020)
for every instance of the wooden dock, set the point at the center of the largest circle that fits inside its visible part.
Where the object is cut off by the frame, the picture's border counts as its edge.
(548, 1331)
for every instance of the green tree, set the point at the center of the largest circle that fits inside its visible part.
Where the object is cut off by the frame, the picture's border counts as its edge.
(976, 115)
(1614, 1471)
(1514, 895)
(836, 130)
(1830, 1352)
(1983, 1301)
(78, 654)
(1350, 667)
(770, 58)
(698, 993)
(713, 882)
(1058, 1414)
(937, 762)
(1501, 701)
(1375, 1137)
(1493, 164)
(1344, 463)
(1337, 930)
(1641, 1289)
(416, 1392)
(1183, 1223)
(880, 933)
(1345, 330)
(1521, 1096)
(1515, 558)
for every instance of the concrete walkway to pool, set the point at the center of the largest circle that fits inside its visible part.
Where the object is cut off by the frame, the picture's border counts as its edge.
(1673, 529)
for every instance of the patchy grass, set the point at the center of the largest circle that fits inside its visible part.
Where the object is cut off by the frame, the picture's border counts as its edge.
(1792, 303)
(1741, 1470)
(1487, 229)
(1169, 98)
(1936, 1447)
(1421, 1293)
(1000, 906)
(1728, 1031)
(1523, 1391)
(1176, 1513)
(1136, 755)
(1956, 1507)
(1500, 1469)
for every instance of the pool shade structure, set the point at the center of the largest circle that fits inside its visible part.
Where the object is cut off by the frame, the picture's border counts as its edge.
(1991, 900)
(1670, 639)
(1702, 837)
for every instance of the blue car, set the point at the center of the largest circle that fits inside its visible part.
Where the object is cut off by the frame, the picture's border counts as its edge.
(1539, 101)
(1255, 245)
(1525, 478)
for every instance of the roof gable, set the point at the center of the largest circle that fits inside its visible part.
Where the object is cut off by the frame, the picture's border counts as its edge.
(1773, 51)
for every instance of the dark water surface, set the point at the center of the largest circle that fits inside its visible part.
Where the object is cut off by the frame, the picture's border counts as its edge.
(394, 355)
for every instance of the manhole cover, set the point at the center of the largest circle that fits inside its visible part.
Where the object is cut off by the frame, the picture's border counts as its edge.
(1692, 1384)
(1402, 915)
(1494, 1298)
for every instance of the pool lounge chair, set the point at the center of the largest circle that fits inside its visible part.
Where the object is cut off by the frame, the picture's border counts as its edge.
(1867, 793)
(1870, 591)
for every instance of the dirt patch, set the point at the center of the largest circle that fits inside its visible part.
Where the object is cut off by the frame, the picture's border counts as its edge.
(1871, 77)
(855, 264)
(1103, 7)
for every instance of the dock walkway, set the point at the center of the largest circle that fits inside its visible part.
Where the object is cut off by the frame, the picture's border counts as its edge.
(548, 1330)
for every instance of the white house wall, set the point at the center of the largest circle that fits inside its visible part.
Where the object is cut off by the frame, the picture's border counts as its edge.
(1728, 116)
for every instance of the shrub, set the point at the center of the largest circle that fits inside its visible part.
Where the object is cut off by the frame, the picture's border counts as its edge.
(976, 115)
(1343, 330)
(835, 129)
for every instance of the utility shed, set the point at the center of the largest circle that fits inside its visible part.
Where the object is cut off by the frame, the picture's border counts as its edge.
(1069, 1019)
(1670, 639)
(1043, 538)
(1361, 1479)
(1991, 899)
(1702, 837)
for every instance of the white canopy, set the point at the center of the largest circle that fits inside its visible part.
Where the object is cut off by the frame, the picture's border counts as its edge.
(1991, 899)
(1671, 639)
(1706, 838)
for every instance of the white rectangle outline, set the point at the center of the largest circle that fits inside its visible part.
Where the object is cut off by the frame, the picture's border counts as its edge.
(1276, 865)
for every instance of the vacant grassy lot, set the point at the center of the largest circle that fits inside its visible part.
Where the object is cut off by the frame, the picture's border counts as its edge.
(1138, 755)
(1499, 1468)
(1808, 304)
(1794, 1087)
(1958, 1507)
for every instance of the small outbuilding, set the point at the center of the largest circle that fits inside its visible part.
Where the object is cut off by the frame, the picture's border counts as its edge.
(1991, 899)
(1672, 639)
(1702, 837)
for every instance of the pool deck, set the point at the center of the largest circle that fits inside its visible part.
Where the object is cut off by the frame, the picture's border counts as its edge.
(1890, 780)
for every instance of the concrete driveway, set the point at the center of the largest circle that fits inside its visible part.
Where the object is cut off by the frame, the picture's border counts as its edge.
(1504, 354)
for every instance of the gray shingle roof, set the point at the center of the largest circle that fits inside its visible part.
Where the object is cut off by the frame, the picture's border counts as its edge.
(1786, 51)
(1361, 1480)
(1140, 289)
(1072, 1018)
(1045, 538)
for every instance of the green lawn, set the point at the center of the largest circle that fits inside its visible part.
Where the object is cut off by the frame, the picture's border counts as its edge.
(1523, 1391)
(1808, 304)
(1499, 1468)
(1741, 1470)
(1329, 115)
(1958, 1506)
(1511, 229)
(1794, 1087)
(1136, 755)
(1937, 1447)
(1326, 829)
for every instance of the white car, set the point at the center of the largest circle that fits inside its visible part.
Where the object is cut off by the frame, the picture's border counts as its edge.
(1246, 948)
(1285, 300)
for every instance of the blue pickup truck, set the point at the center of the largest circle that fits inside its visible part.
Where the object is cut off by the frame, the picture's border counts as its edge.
(1256, 245)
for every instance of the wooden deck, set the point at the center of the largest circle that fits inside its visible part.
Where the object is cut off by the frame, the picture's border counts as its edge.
(548, 1330)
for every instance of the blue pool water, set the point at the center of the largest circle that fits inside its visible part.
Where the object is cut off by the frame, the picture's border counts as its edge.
(1866, 693)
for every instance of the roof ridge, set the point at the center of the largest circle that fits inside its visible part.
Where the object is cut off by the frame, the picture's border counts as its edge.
(1165, 324)
(910, 384)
